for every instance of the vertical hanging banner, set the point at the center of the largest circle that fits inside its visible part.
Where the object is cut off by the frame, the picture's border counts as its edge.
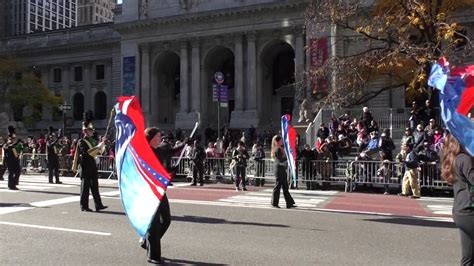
(319, 54)
(129, 78)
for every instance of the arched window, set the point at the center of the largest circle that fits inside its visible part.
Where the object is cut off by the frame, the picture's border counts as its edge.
(100, 105)
(78, 106)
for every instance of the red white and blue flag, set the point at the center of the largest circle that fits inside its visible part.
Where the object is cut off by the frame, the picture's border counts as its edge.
(289, 141)
(142, 178)
(456, 86)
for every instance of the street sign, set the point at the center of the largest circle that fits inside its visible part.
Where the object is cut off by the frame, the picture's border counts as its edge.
(220, 93)
(219, 77)
(65, 107)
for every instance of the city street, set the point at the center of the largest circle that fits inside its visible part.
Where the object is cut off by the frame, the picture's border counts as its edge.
(42, 224)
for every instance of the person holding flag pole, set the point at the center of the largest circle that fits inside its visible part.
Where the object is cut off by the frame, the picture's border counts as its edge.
(281, 174)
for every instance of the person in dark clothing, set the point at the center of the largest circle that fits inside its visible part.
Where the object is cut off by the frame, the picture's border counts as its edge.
(386, 145)
(366, 117)
(88, 151)
(323, 132)
(281, 174)
(198, 157)
(259, 156)
(240, 156)
(458, 170)
(52, 149)
(307, 156)
(162, 217)
(165, 152)
(2, 165)
(11, 153)
(428, 112)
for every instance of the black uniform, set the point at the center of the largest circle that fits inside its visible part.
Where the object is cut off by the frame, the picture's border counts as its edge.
(240, 156)
(281, 175)
(53, 160)
(162, 218)
(89, 178)
(199, 155)
(11, 153)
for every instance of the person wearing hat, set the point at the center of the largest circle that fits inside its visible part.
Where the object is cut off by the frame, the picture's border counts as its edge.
(410, 178)
(89, 150)
(52, 149)
(11, 152)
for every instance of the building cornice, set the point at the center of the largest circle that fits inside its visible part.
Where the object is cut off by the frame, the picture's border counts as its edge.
(197, 17)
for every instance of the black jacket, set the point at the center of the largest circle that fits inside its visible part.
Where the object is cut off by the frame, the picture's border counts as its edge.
(240, 157)
(164, 152)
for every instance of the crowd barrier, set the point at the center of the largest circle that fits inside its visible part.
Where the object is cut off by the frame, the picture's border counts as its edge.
(311, 173)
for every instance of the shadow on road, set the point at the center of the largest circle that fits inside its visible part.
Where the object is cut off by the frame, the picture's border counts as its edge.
(187, 262)
(414, 221)
(208, 220)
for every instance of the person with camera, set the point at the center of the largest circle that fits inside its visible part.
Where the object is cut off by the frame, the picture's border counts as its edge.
(240, 156)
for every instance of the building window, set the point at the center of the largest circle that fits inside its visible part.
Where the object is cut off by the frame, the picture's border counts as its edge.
(78, 74)
(78, 106)
(57, 75)
(99, 72)
(100, 105)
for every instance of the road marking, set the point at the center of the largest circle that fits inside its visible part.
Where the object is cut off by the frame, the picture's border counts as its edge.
(45, 203)
(58, 229)
(441, 209)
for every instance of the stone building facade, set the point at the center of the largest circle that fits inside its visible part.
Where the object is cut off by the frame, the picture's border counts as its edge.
(95, 11)
(167, 52)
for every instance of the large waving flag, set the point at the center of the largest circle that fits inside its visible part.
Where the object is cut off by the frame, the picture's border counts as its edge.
(456, 100)
(142, 178)
(289, 140)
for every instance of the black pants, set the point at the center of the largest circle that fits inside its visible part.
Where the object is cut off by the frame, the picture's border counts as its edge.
(2, 171)
(14, 172)
(240, 176)
(281, 183)
(198, 173)
(160, 223)
(465, 223)
(53, 169)
(90, 181)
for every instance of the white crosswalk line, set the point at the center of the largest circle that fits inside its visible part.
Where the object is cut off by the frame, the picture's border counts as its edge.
(441, 209)
(40, 183)
(260, 199)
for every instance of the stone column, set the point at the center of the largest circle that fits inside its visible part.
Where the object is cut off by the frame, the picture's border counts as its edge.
(145, 81)
(300, 91)
(88, 97)
(183, 84)
(239, 71)
(195, 78)
(251, 72)
(65, 80)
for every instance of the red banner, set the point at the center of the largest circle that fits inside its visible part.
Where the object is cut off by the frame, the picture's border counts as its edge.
(318, 55)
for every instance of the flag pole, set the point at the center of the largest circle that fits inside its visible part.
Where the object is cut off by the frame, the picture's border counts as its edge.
(186, 145)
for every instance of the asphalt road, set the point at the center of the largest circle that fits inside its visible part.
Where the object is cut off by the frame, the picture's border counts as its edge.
(213, 234)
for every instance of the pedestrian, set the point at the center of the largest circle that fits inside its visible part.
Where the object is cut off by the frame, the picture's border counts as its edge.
(366, 117)
(52, 150)
(2, 166)
(240, 156)
(281, 174)
(11, 152)
(458, 171)
(88, 151)
(162, 217)
(198, 157)
(259, 157)
(307, 156)
(385, 172)
(410, 178)
(165, 152)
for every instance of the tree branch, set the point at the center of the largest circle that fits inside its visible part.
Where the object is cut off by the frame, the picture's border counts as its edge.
(372, 94)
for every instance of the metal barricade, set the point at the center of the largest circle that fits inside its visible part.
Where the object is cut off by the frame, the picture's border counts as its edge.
(33, 163)
(374, 173)
(321, 172)
(106, 164)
